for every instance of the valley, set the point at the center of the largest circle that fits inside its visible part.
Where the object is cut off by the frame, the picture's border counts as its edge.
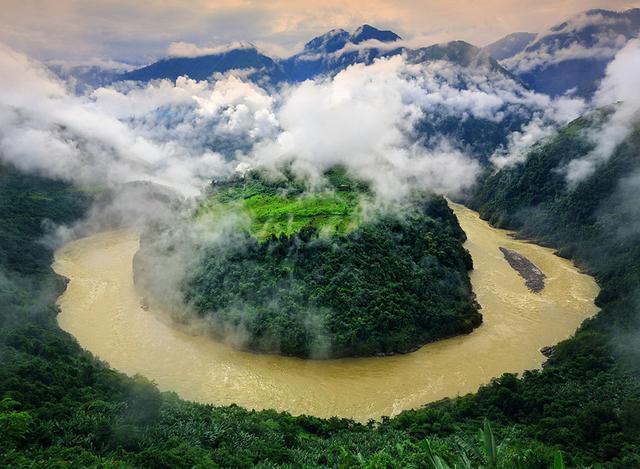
(228, 235)
(101, 308)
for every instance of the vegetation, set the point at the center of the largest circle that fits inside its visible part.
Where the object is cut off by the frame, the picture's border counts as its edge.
(591, 224)
(276, 208)
(59, 406)
(311, 277)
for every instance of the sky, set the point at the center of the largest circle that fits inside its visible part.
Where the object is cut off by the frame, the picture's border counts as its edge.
(140, 31)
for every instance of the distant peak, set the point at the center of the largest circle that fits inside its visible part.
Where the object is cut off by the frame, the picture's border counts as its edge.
(330, 41)
(367, 32)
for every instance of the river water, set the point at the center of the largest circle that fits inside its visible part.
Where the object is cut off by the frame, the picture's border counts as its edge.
(101, 308)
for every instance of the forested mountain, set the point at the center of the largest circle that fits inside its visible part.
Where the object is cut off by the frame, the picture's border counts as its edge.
(594, 222)
(308, 274)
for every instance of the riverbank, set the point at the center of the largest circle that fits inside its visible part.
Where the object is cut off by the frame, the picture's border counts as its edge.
(102, 309)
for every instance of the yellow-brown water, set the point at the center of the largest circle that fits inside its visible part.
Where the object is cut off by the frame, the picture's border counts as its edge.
(102, 310)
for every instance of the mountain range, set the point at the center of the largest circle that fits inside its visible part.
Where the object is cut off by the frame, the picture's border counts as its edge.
(327, 54)
(570, 57)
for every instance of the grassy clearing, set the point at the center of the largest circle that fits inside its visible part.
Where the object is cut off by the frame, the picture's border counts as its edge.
(270, 211)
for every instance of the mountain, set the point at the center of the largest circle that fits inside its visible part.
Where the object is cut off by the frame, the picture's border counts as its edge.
(572, 56)
(337, 49)
(329, 42)
(85, 78)
(509, 45)
(327, 54)
(258, 66)
(368, 33)
(458, 53)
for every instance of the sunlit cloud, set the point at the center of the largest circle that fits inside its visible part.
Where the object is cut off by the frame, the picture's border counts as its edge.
(142, 31)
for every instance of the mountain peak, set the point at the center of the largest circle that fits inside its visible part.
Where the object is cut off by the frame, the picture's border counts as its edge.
(331, 41)
(367, 32)
(509, 45)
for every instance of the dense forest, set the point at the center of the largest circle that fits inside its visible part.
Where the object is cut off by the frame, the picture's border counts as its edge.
(308, 274)
(60, 406)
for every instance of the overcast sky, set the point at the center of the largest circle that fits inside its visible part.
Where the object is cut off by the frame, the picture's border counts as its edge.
(141, 30)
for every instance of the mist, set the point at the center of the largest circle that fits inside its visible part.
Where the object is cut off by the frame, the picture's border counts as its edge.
(620, 86)
(148, 151)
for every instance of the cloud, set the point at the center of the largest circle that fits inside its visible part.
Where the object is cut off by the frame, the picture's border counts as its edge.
(163, 132)
(622, 209)
(182, 134)
(620, 85)
(141, 31)
(188, 49)
(551, 114)
(568, 41)
(364, 119)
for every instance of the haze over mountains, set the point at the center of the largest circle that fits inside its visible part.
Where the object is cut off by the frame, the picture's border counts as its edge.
(569, 58)
(572, 56)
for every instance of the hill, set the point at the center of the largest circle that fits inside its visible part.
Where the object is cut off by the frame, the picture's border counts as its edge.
(312, 274)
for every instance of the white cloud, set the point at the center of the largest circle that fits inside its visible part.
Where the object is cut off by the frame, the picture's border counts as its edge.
(620, 85)
(188, 49)
(547, 49)
(184, 133)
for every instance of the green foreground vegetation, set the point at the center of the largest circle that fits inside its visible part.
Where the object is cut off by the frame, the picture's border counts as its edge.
(284, 208)
(62, 407)
(306, 274)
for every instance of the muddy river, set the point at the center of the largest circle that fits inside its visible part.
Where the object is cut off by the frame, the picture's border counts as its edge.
(101, 308)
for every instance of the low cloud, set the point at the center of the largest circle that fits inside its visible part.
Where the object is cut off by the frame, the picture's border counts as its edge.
(619, 86)
(547, 49)
(185, 133)
(188, 49)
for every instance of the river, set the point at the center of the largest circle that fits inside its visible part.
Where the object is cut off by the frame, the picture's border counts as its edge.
(101, 308)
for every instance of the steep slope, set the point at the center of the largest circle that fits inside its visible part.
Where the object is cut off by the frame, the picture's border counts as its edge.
(572, 56)
(594, 222)
(258, 67)
(509, 45)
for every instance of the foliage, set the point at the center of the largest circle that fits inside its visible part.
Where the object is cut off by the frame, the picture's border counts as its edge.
(285, 207)
(322, 285)
(65, 408)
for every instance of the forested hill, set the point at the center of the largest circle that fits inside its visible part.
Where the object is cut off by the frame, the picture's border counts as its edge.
(29, 207)
(307, 273)
(595, 223)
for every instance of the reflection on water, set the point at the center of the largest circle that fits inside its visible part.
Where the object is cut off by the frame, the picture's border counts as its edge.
(102, 310)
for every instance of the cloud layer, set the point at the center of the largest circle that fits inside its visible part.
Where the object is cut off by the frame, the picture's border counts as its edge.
(182, 134)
